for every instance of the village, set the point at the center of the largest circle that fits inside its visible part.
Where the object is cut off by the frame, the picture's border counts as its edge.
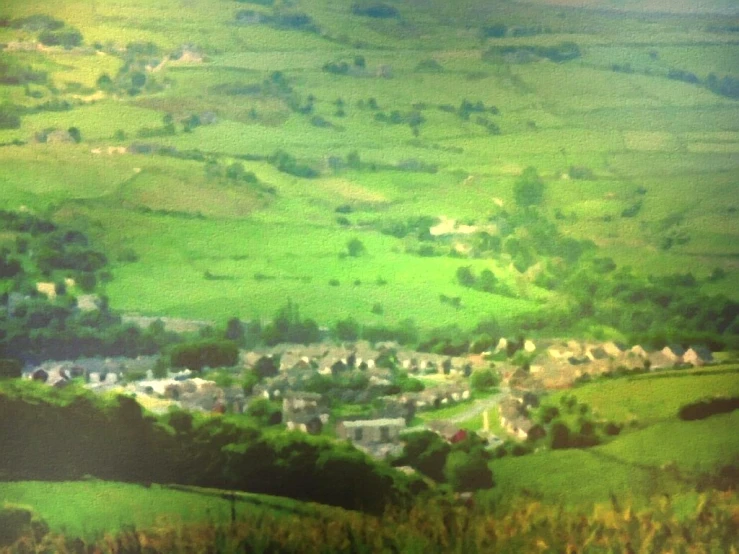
(359, 391)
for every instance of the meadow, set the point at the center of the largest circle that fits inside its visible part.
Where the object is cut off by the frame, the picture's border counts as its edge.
(656, 452)
(281, 237)
(91, 509)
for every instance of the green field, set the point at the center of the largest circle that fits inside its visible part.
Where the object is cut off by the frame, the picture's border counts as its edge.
(90, 509)
(653, 398)
(632, 466)
(676, 140)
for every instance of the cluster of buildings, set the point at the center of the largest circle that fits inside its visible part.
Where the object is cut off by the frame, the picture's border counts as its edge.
(558, 364)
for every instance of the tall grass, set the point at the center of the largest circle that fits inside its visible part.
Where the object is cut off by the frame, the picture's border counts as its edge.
(709, 525)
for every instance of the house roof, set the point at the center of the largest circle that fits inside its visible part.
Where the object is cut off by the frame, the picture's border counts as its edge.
(386, 422)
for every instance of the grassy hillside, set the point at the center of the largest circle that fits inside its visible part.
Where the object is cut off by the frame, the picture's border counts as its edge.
(660, 147)
(89, 509)
(656, 452)
(652, 398)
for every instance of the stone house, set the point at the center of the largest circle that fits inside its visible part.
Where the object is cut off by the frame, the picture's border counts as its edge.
(513, 418)
(305, 411)
(371, 431)
(697, 356)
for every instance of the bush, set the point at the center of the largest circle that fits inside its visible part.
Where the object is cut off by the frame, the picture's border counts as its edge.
(67, 37)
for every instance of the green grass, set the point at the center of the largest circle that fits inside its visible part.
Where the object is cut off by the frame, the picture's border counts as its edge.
(694, 446)
(677, 140)
(90, 508)
(652, 398)
(573, 478)
(631, 465)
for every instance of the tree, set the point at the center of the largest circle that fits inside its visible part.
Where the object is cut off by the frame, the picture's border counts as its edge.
(74, 132)
(467, 472)
(68, 37)
(426, 452)
(559, 436)
(347, 329)
(265, 412)
(267, 366)
(355, 247)
(207, 353)
(483, 380)
(465, 277)
(487, 281)
(10, 368)
(528, 189)
(235, 330)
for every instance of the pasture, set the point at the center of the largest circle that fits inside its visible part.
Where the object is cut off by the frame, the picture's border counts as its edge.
(91, 509)
(669, 146)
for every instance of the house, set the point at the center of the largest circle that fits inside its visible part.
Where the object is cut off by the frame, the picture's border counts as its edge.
(612, 349)
(502, 345)
(88, 302)
(529, 346)
(371, 431)
(596, 353)
(661, 359)
(697, 356)
(305, 411)
(47, 289)
(448, 431)
(674, 353)
(513, 418)
(638, 352)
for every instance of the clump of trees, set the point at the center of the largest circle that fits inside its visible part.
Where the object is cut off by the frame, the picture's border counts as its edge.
(133, 446)
(562, 52)
(377, 10)
(463, 465)
(528, 190)
(484, 380)
(207, 353)
(485, 282)
(287, 163)
(288, 326)
(707, 408)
